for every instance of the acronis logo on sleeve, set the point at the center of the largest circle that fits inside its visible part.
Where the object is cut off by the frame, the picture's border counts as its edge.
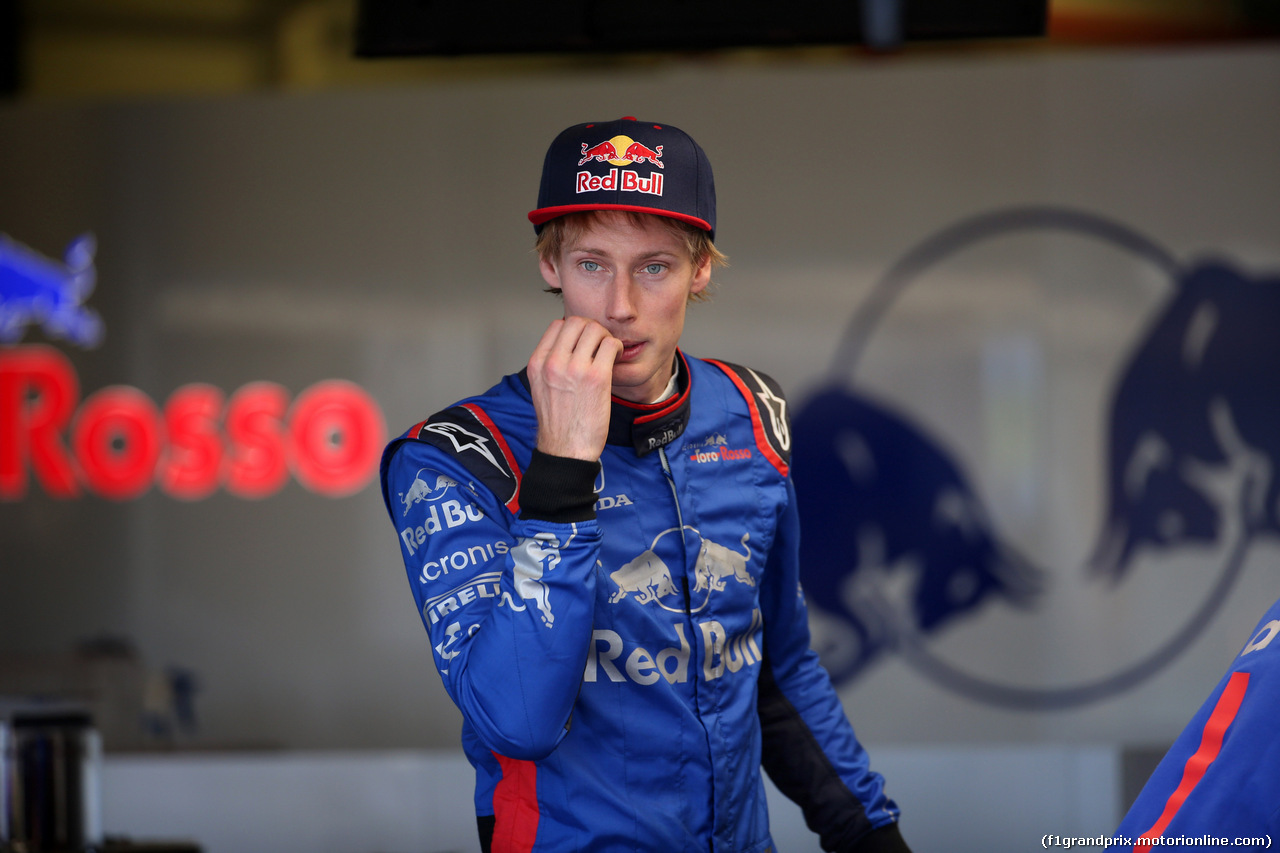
(48, 294)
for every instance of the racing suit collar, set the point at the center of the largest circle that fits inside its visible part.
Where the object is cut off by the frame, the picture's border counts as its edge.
(647, 426)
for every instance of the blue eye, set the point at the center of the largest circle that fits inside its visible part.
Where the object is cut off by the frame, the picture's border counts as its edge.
(590, 266)
(654, 269)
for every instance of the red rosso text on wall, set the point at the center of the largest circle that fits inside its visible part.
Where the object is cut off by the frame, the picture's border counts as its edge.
(118, 443)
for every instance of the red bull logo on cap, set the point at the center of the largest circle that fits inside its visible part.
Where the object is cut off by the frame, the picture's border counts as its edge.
(632, 153)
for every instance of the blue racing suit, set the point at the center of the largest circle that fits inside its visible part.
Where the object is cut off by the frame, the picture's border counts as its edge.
(1221, 778)
(627, 640)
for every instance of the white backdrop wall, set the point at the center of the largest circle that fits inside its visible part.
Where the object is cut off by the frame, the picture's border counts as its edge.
(380, 237)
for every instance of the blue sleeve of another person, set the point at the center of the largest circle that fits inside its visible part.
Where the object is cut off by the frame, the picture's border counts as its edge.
(1221, 777)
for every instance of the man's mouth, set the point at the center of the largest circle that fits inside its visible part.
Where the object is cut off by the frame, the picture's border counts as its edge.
(630, 350)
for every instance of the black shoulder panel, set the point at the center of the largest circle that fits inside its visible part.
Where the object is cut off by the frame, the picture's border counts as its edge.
(467, 434)
(768, 407)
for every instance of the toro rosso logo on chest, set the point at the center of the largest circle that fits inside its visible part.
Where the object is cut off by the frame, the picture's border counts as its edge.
(714, 448)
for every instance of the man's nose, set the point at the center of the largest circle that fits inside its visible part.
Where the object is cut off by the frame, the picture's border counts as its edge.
(621, 305)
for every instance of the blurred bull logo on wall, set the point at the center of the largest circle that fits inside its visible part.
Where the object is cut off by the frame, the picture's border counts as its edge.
(898, 546)
(38, 291)
(1195, 428)
(913, 547)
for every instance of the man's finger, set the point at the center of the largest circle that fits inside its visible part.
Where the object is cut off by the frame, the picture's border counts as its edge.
(546, 343)
(587, 339)
(610, 348)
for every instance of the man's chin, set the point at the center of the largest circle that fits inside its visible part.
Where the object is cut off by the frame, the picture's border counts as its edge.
(629, 383)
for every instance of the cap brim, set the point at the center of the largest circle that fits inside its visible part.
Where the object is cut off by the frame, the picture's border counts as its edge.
(545, 214)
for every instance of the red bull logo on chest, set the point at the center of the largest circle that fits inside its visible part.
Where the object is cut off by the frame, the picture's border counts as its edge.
(620, 151)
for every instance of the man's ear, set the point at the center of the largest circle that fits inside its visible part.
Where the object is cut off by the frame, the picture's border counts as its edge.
(549, 273)
(701, 276)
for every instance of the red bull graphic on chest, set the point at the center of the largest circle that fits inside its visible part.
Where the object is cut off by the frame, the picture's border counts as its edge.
(647, 579)
(620, 152)
(906, 545)
(611, 657)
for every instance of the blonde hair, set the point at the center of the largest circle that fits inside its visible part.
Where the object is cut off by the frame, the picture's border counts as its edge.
(557, 233)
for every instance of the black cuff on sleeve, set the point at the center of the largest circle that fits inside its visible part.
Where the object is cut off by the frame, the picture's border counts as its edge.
(886, 839)
(558, 489)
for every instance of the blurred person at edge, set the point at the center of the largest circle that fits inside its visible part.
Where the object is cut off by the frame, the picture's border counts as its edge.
(1221, 777)
(603, 549)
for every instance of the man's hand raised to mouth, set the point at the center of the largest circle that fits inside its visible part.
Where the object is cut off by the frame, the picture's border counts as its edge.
(570, 378)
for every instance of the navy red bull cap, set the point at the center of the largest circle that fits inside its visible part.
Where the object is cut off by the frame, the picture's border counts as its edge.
(631, 165)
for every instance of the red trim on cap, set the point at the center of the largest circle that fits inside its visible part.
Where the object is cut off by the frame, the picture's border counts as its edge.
(544, 214)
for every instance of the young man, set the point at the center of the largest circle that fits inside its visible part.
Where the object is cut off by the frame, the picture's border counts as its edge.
(603, 549)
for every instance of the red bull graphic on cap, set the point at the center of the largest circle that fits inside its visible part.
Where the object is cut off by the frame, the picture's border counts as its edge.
(625, 180)
(624, 165)
(633, 152)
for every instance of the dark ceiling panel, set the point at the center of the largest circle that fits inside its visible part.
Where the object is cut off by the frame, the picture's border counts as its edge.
(446, 27)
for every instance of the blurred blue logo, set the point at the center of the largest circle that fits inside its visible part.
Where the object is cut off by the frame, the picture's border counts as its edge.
(897, 545)
(1195, 422)
(37, 291)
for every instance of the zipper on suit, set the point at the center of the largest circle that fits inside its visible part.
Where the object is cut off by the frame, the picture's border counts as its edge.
(684, 545)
